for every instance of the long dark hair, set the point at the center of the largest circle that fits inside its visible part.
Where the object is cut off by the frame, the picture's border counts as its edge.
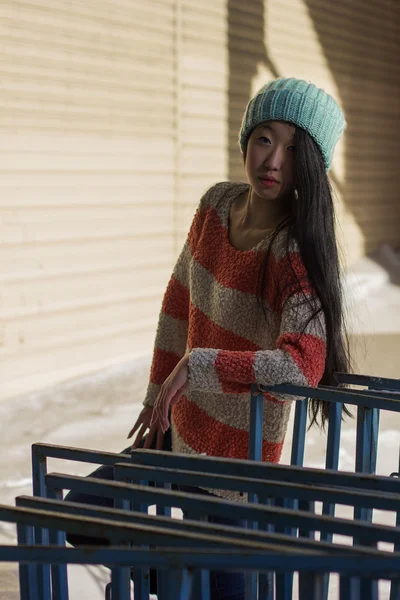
(311, 222)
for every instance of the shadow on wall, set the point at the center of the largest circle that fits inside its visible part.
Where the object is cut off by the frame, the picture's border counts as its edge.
(360, 44)
(246, 49)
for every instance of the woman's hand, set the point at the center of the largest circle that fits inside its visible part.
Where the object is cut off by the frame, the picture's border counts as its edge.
(171, 391)
(144, 422)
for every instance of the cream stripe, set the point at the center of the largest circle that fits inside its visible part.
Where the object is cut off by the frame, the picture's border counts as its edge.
(202, 372)
(173, 335)
(152, 393)
(296, 313)
(230, 309)
(222, 198)
(182, 268)
(277, 366)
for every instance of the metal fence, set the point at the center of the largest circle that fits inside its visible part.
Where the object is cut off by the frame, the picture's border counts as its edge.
(280, 513)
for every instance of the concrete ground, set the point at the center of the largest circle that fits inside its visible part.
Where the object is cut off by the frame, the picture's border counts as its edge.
(97, 412)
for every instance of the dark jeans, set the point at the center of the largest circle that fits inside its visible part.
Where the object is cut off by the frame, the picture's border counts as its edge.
(223, 586)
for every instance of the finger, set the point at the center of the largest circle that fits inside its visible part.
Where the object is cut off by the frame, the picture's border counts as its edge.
(143, 418)
(134, 428)
(139, 436)
(160, 440)
(165, 425)
(154, 418)
(150, 437)
(160, 408)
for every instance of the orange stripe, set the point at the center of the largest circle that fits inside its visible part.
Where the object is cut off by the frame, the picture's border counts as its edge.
(204, 434)
(176, 300)
(231, 367)
(308, 352)
(163, 364)
(204, 333)
(240, 273)
(196, 229)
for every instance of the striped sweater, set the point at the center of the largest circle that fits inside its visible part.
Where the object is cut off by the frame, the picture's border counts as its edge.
(210, 309)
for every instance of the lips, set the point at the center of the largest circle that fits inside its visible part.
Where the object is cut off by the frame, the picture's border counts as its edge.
(268, 178)
(268, 182)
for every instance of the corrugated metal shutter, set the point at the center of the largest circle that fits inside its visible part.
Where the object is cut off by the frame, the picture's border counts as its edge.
(87, 142)
(202, 105)
(116, 116)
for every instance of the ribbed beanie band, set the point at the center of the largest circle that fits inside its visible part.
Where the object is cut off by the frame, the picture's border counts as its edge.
(301, 103)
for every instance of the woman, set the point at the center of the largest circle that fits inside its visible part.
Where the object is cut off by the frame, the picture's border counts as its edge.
(255, 296)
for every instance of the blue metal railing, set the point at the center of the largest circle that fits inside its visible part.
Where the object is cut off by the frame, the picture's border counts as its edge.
(154, 529)
(285, 494)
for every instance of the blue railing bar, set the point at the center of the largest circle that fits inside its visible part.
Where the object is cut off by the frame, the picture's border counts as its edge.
(275, 488)
(59, 579)
(255, 453)
(284, 581)
(264, 487)
(380, 565)
(27, 573)
(235, 535)
(331, 394)
(181, 583)
(349, 588)
(256, 422)
(332, 452)
(39, 469)
(366, 441)
(310, 585)
(188, 502)
(298, 441)
(375, 532)
(299, 433)
(121, 532)
(218, 465)
(331, 462)
(163, 578)
(395, 586)
(120, 583)
(261, 470)
(368, 380)
(366, 453)
(42, 451)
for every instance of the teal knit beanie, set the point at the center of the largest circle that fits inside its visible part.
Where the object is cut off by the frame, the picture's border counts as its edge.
(300, 103)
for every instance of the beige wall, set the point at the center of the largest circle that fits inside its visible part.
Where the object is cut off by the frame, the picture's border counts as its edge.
(116, 116)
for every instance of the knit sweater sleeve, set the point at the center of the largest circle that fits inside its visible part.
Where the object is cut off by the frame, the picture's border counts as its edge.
(172, 330)
(300, 352)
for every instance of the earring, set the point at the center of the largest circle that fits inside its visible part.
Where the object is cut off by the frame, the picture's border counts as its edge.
(296, 194)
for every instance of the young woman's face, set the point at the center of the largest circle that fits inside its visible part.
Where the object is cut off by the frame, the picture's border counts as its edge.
(270, 159)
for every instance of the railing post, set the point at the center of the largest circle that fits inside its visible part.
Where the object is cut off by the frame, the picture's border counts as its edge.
(255, 453)
(395, 584)
(141, 576)
(59, 578)
(39, 470)
(331, 462)
(27, 573)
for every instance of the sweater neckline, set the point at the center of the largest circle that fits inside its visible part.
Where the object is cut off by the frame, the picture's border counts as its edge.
(238, 189)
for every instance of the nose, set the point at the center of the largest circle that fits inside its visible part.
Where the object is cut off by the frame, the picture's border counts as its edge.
(275, 158)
